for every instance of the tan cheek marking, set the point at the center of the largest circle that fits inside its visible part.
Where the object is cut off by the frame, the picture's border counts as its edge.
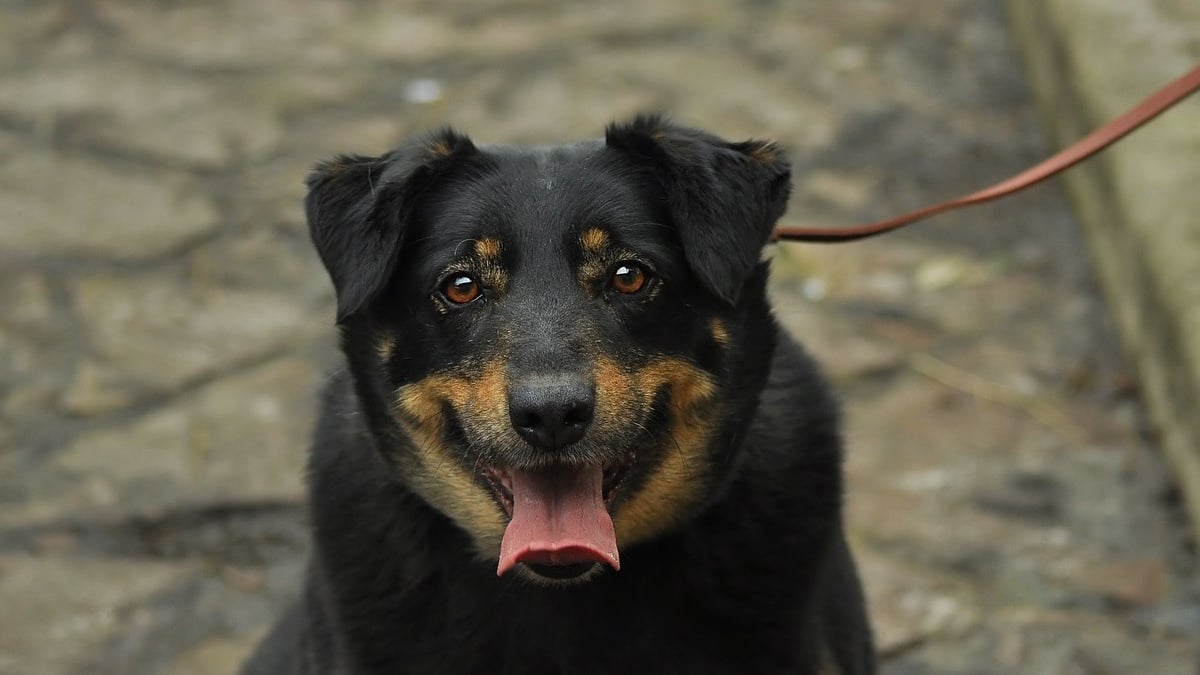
(488, 249)
(442, 482)
(594, 240)
(677, 481)
(689, 385)
(486, 403)
(720, 332)
(617, 397)
(433, 470)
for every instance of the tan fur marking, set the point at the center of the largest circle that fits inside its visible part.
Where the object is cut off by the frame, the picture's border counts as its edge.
(385, 346)
(763, 152)
(439, 148)
(494, 277)
(480, 399)
(617, 397)
(720, 332)
(434, 471)
(594, 240)
(487, 248)
(591, 272)
(487, 263)
(675, 483)
(334, 167)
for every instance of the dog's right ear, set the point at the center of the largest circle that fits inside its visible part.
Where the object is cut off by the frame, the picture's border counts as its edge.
(359, 208)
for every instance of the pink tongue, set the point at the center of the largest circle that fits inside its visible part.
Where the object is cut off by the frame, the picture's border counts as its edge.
(558, 518)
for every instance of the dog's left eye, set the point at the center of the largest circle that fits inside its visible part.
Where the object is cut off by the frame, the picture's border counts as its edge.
(629, 277)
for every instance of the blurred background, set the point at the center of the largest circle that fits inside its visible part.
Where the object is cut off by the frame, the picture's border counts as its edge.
(166, 324)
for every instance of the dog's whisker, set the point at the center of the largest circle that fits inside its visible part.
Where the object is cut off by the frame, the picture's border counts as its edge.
(651, 223)
(682, 455)
(461, 244)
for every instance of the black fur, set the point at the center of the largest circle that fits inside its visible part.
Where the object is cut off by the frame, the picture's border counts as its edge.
(755, 577)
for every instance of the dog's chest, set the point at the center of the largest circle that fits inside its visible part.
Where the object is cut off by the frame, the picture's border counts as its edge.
(639, 632)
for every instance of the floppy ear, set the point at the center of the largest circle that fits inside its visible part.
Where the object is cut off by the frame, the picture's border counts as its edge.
(358, 210)
(724, 197)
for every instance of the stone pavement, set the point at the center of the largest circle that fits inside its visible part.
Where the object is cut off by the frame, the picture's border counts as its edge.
(166, 325)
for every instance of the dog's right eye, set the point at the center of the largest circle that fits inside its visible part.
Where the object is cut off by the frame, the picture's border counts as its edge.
(461, 289)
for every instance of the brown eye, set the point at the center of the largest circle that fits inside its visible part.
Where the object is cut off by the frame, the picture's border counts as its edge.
(629, 278)
(461, 289)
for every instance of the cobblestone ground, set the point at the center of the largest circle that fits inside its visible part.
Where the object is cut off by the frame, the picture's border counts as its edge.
(166, 325)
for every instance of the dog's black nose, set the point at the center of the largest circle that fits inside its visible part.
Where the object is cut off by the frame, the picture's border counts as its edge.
(551, 412)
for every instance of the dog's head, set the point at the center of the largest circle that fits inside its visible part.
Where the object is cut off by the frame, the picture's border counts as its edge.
(555, 347)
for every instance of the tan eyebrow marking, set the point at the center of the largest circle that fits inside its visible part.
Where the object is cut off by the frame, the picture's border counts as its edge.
(594, 239)
(488, 248)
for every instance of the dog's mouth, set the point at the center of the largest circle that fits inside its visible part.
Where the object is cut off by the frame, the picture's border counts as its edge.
(559, 522)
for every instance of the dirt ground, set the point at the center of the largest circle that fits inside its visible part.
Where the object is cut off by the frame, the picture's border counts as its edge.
(166, 324)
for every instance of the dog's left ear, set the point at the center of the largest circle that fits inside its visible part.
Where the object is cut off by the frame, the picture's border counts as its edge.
(725, 198)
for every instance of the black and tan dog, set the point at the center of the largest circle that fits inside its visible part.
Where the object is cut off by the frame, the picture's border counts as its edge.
(572, 438)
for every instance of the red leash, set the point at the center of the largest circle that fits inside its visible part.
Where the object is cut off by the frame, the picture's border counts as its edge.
(1110, 133)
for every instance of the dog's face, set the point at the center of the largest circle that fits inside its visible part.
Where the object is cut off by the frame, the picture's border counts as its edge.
(545, 340)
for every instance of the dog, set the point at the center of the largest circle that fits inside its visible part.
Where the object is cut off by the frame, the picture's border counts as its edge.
(571, 437)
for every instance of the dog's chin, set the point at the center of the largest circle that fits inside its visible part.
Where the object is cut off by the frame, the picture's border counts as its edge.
(559, 576)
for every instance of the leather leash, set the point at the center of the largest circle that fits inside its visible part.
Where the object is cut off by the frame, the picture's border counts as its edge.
(1156, 104)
